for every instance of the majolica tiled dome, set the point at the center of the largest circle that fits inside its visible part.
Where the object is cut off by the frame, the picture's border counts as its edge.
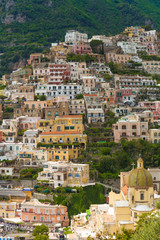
(140, 177)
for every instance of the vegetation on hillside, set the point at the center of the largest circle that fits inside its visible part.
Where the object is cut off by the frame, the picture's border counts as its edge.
(80, 201)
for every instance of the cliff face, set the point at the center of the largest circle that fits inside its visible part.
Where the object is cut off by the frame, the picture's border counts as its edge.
(31, 25)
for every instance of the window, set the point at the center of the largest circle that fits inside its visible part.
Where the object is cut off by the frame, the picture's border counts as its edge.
(142, 195)
(123, 134)
(132, 199)
(49, 113)
(134, 127)
(135, 215)
(123, 126)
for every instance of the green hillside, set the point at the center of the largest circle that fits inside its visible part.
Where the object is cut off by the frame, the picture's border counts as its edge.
(31, 25)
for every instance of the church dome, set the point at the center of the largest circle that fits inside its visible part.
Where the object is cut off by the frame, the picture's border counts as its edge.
(140, 177)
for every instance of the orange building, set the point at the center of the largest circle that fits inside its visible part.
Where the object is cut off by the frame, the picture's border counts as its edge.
(36, 212)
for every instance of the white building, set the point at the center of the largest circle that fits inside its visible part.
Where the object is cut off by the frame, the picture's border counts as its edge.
(6, 171)
(10, 148)
(73, 36)
(30, 139)
(76, 106)
(65, 174)
(40, 69)
(106, 40)
(55, 90)
(128, 47)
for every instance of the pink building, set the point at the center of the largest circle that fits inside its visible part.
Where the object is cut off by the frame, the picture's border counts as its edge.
(34, 58)
(36, 212)
(29, 122)
(125, 95)
(35, 104)
(154, 107)
(131, 127)
(82, 48)
(152, 48)
(59, 72)
(28, 96)
(89, 82)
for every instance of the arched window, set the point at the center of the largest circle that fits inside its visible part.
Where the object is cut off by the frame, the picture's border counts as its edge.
(77, 175)
(26, 140)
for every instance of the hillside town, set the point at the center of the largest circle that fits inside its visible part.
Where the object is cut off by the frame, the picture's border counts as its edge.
(81, 117)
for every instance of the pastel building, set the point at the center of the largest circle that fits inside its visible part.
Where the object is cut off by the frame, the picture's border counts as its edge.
(89, 82)
(33, 157)
(30, 139)
(153, 106)
(125, 95)
(65, 174)
(34, 58)
(73, 36)
(63, 153)
(152, 67)
(8, 209)
(36, 212)
(76, 106)
(59, 72)
(26, 122)
(133, 82)
(131, 127)
(118, 58)
(68, 123)
(81, 47)
(63, 137)
(154, 135)
(135, 198)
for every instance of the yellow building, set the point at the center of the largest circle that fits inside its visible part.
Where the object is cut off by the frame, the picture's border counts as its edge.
(69, 123)
(63, 153)
(60, 51)
(63, 137)
(45, 125)
(33, 157)
(137, 195)
(8, 209)
(135, 198)
(154, 135)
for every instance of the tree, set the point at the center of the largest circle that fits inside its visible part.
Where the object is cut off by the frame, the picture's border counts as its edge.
(97, 46)
(79, 96)
(43, 237)
(125, 235)
(148, 228)
(158, 204)
(40, 231)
